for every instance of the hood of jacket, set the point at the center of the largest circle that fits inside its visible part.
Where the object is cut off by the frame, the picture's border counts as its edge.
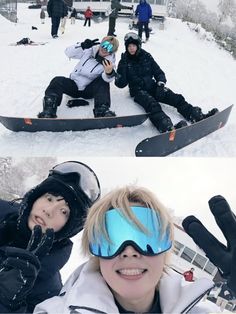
(86, 284)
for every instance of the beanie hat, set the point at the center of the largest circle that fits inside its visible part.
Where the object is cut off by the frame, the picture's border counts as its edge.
(66, 186)
(132, 38)
(113, 40)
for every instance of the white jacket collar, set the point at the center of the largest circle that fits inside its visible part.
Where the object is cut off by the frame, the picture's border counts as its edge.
(86, 292)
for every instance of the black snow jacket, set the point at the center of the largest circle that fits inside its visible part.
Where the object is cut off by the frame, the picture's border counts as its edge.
(116, 6)
(57, 8)
(140, 72)
(48, 282)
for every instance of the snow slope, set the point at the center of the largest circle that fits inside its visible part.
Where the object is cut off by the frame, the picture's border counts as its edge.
(195, 67)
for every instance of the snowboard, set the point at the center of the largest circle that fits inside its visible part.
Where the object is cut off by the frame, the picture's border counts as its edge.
(169, 142)
(31, 44)
(17, 124)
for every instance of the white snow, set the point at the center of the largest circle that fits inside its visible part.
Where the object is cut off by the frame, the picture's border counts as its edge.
(195, 67)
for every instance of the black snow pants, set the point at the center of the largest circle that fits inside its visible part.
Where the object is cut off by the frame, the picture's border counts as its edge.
(112, 25)
(149, 100)
(55, 24)
(97, 89)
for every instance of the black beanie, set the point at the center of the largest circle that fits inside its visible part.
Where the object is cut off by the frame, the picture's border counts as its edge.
(70, 191)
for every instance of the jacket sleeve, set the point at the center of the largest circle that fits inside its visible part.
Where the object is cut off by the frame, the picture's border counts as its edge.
(150, 11)
(121, 77)
(75, 51)
(157, 71)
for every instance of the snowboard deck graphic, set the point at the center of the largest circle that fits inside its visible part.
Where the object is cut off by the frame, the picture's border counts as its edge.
(17, 124)
(169, 142)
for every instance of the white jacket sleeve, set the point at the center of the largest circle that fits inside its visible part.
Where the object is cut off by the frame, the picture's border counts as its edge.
(74, 51)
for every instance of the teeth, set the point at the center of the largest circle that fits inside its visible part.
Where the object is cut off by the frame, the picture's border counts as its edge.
(131, 272)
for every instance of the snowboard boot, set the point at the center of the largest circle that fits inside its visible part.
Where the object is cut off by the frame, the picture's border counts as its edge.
(195, 114)
(180, 124)
(211, 113)
(162, 122)
(103, 111)
(49, 107)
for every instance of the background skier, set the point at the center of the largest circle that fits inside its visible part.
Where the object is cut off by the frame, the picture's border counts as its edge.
(144, 14)
(116, 6)
(56, 9)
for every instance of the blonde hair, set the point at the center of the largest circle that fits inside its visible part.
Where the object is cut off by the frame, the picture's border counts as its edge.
(113, 40)
(123, 198)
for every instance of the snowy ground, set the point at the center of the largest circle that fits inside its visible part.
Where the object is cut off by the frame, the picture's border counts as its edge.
(195, 67)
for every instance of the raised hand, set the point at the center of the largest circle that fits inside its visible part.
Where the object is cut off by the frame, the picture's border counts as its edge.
(88, 43)
(223, 256)
(20, 268)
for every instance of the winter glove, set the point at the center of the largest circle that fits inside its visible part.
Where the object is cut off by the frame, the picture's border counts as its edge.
(77, 103)
(8, 228)
(224, 257)
(88, 43)
(20, 268)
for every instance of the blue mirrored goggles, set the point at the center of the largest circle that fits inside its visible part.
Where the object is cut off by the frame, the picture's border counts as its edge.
(122, 232)
(107, 46)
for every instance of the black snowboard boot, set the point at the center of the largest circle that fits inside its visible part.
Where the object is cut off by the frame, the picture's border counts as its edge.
(211, 113)
(180, 124)
(162, 122)
(103, 111)
(49, 107)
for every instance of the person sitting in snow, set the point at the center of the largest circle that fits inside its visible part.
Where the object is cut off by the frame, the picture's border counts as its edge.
(146, 80)
(35, 235)
(90, 78)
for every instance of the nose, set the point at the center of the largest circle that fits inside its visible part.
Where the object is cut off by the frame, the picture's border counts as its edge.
(130, 251)
(49, 210)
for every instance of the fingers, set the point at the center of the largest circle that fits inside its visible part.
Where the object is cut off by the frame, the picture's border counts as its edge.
(224, 217)
(106, 62)
(45, 244)
(35, 238)
(215, 250)
(95, 42)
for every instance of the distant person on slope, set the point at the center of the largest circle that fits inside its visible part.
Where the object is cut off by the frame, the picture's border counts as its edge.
(188, 275)
(144, 14)
(57, 9)
(90, 78)
(146, 82)
(116, 6)
(88, 14)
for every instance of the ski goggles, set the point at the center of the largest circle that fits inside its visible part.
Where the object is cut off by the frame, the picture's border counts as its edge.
(86, 178)
(131, 35)
(107, 46)
(122, 232)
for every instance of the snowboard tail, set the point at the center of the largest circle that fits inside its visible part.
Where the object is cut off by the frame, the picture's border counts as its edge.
(17, 124)
(167, 143)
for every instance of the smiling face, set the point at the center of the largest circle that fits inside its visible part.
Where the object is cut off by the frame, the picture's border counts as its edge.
(103, 52)
(133, 278)
(49, 211)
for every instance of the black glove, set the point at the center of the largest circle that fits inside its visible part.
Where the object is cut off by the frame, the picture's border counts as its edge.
(88, 43)
(224, 257)
(77, 103)
(20, 268)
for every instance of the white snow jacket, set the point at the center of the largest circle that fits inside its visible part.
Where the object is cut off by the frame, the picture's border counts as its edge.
(86, 292)
(88, 69)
